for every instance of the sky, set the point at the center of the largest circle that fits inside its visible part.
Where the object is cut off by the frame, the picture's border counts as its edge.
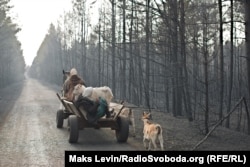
(34, 18)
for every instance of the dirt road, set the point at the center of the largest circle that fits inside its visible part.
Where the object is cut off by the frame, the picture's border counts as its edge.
(28, 133)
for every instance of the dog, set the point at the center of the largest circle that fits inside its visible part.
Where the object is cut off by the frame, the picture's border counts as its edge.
(126, 112)
(151, 132)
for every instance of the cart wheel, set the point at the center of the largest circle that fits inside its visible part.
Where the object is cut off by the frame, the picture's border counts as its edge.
(123, 131)
(73, 129)
(59, 118)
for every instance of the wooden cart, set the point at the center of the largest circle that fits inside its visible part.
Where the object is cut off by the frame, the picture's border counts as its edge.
(77, 120)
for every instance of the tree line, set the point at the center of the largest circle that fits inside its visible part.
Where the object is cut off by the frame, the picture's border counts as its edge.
(186, 57)
(12, 65)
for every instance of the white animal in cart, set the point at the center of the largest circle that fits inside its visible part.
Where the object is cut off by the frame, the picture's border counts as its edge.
(93, 92)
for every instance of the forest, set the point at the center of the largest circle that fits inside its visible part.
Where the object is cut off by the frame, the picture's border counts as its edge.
(12, 65)
(185, 57)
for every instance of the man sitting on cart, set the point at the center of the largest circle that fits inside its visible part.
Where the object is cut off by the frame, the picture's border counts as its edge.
(70, 83)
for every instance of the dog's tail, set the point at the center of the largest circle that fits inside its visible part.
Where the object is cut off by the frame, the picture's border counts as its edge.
(160, 137)
(159, 129)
